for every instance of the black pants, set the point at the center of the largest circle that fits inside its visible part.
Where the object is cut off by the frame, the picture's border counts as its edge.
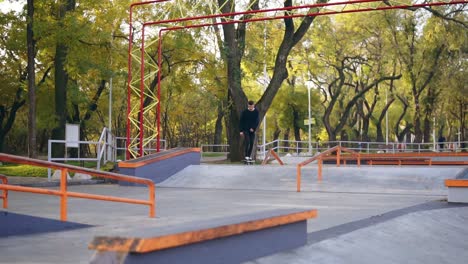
(249, 139)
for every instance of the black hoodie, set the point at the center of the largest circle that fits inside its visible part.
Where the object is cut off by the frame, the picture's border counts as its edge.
(249, 119)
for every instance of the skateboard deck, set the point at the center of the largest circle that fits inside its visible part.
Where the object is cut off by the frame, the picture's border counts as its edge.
(248, 162)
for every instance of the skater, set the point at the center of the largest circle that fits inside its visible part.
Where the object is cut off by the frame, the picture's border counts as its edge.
(247, 125)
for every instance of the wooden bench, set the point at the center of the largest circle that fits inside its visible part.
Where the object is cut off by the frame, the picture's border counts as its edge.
(457, 190)
(226, 240)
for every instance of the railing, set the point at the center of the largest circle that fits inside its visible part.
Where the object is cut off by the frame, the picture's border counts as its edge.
(63, 193)
(301, 147)
(4, 196)
(319, 157)
(272, 153)
(121, 147)
(104, 150)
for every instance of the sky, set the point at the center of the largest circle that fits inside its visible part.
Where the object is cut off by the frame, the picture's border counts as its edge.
(8, 5)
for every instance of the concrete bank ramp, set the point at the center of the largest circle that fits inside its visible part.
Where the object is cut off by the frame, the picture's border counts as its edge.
(422, 237)
(412, 180)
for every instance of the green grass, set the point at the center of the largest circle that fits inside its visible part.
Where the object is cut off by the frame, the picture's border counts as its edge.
(86, 164)
(34, 171)
(23, 170)
(213, 154)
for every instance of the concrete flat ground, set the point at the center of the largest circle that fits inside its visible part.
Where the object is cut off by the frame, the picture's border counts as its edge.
(378, 214)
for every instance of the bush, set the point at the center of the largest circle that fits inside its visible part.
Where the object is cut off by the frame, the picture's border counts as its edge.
(23, 170)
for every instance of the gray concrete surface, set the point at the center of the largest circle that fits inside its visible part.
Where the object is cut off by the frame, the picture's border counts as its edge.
(365, 179)
(365, 215)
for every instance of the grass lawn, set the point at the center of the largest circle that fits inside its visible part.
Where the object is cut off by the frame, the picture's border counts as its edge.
(213, 154)
(23, 170)
(34, 171)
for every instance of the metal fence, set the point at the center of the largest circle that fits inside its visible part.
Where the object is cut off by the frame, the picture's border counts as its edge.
(100, 151)
(121, 147)
(302, 148)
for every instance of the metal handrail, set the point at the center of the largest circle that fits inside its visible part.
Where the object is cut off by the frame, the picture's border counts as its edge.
(361, 146)
(64, 194)
(320, 157)
(4, 197)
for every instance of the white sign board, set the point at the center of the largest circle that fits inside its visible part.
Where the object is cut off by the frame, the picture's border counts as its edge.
(72, 136)
(311, 121)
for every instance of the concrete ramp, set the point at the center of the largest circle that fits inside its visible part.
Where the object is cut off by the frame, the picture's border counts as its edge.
(408, 180)
(427, 236)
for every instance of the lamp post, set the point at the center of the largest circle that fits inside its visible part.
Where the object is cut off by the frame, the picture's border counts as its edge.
(309, 86)
(386, 118)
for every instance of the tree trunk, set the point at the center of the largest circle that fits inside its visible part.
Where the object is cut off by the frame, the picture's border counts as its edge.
(417, 120)
(276, 136)
(31, 43)
(296, 128)
(61, 82)
(286, 140)
(218, 126)
(2, 140)
(235, 150)
(234, 43)
(7, 118)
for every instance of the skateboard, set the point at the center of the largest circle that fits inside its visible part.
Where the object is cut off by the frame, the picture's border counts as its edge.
(249, 162)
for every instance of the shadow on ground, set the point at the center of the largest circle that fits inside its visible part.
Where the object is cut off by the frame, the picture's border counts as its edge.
(13, 224)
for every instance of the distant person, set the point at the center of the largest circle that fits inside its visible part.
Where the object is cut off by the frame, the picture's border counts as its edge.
(441, 142)
(248, 123)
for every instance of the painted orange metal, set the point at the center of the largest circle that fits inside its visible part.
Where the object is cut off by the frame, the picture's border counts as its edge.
(124, 164)
(456, 183)
(63, 192)
(4, 196)
(298, 179)
(319, 173)
(325, 156)
(276, 157)
(270, 153)
(63, 195)
(338, 154)
(144, 245)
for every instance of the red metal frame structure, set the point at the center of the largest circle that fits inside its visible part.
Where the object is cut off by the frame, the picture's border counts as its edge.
(381, 6)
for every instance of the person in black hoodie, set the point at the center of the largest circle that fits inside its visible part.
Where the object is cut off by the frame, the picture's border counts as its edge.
(248, 124)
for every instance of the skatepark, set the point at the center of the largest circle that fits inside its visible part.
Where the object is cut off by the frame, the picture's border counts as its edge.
(378, 214)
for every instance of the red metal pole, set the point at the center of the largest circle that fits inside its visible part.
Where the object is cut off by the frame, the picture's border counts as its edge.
(142, 91)
(159, 92)
(129, 78)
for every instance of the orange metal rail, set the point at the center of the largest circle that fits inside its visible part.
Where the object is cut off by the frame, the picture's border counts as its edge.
(320, 157)
(64, 194)
(410, 158)
(4, 196)
(270, 153)
(460, 183)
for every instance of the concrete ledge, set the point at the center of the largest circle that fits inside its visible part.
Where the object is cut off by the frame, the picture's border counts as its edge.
(227, 240)
(458, 190)
(160, 166)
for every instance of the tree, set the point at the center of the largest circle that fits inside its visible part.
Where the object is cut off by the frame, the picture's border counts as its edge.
(61, 78)
(234, 43)
(31, 43)
(13, 74)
